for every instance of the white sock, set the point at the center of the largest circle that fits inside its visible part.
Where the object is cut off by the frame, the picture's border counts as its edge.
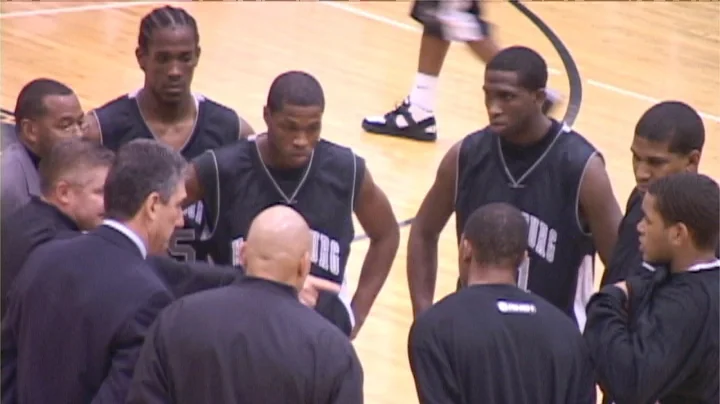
(422, 96)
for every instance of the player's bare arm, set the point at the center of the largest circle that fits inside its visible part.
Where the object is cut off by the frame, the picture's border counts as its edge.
(91, 127)
(433, 215)
(600, 207)
(377, 219)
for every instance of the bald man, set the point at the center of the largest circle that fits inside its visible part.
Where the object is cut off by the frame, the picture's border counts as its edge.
(253, 341)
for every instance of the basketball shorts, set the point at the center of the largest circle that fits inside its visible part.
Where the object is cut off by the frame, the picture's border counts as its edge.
(334, 310)
(451, 20)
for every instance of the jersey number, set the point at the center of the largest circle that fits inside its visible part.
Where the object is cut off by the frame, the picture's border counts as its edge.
(180, 245)
(524, 274)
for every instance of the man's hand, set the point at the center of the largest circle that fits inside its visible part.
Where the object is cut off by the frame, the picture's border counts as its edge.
(312, 287)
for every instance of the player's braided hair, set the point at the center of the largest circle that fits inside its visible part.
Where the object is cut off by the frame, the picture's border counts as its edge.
(691, 199)
(165, 17)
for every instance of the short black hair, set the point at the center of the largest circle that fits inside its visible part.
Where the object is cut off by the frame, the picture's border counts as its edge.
(692, 199)
(165, 17)
(68, 157)
(141, 167)
(498, 234)
(295, 88)
(530, 67)
(30, 103)
(674, 122)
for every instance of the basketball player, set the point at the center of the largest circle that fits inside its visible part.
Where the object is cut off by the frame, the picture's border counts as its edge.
(492, 342)
(542, 167)
(323, 181)
(668, 139)
(165, 109)
(656, 339)
(443, 21)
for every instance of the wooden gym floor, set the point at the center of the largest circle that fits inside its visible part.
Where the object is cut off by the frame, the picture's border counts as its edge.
(629, 54)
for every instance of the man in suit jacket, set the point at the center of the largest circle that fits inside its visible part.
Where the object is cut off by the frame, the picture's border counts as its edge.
(80, 307)
(46, 111)
(72, 177)
(252, 342)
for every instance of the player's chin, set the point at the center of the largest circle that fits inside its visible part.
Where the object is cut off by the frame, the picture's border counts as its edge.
(298, 159)
(647, 256)
(499, 128)
(173, 94)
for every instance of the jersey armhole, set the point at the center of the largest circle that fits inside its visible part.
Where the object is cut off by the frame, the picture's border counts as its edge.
(239, 124)
(358, 172)
(578, 219)
(99, 125)
(457, 177)
(212, 196)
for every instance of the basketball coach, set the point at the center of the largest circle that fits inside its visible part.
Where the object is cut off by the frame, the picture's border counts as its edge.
(253, 341)
(80, 307)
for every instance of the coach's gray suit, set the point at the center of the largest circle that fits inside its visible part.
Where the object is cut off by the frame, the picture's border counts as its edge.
(20, 179)
(7, 135)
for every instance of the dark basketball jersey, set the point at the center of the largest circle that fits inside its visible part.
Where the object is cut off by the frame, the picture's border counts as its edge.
(546, 190)
(121, 121)
(323, 192)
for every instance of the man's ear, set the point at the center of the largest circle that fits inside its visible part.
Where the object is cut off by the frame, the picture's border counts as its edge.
(243, 257)
(151, 206)
(62, 192)
(140, 57)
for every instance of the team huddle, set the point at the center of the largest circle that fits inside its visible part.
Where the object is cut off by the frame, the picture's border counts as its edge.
(156, 249)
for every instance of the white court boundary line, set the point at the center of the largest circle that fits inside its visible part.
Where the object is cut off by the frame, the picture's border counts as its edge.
(339, 6)
(76, 9)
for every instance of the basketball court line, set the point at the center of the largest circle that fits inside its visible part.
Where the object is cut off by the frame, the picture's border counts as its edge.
(339, 6)
(75, 9)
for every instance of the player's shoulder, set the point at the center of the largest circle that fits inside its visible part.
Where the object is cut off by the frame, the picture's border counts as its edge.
(332, 147)
(334, 153)
(573, 137)
(447, 309)
(556, 320)
(117, 104)
(237, 150)
(216, 107)
(476, 137)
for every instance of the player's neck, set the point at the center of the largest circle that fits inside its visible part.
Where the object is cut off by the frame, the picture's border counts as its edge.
(491, 276)
(270, 156)
(535, 131)
(690, 257)
(155, 110)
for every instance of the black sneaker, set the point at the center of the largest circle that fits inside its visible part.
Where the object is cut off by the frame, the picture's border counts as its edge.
(425, 130)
